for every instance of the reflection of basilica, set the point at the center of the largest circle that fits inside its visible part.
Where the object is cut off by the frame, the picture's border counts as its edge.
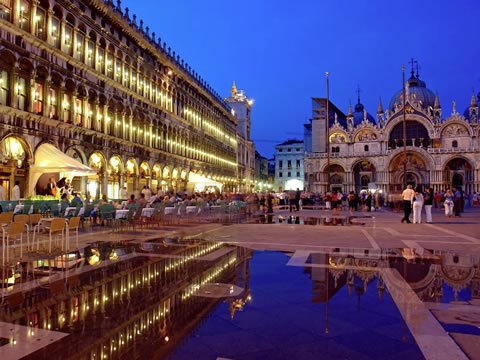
(427, 276)
(124, 304)
(368, 153)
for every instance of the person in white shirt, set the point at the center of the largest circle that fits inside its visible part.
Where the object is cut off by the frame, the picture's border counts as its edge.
(148, 194)
(2, 193)
(417, 207)
(407, 197)
(124, 193)
(16, 191)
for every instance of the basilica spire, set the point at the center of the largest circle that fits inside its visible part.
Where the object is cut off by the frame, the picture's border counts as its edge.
(350, 112)
(436, 105)
(234, 89)
(473, 101)
(380, 107)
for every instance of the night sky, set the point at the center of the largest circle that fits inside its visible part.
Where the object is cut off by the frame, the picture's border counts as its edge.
(278, 52)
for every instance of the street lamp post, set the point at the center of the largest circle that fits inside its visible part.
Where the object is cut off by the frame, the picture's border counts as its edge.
(328, 139)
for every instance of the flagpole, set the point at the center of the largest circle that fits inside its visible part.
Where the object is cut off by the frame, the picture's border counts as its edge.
(404, 131)
(328, 139)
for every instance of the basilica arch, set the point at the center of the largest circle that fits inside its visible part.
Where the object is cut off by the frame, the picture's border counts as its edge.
(458, 172)
(364, 172)
(418, 170)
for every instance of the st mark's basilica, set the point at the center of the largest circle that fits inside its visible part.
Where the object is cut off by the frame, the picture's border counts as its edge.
(368, 152)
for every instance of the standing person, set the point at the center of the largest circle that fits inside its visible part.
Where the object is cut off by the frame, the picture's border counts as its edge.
(475, 199)
(457, 201)
(16, 191)
(339, 200)
(351, 201)
(147, 193)
(334, 201)
(407, 197)
(298, 193)
(368, 201)
(2, 193)
(270, 202)
(417, 207)
(328, 201)
(52, 187)
(438, 200)
(428, 202)
(124, 193)
(448, 203)
(262, 202)
(291, 200)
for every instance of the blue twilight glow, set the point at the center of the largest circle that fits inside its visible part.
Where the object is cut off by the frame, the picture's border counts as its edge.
(278, 51)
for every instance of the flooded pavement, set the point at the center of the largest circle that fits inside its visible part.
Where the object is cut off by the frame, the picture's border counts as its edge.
(326, 220)
(182, 298)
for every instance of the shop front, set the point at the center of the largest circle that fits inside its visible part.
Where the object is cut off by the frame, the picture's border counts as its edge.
(13, 163)
(145, 175)
(95, 181)
(115, 171)
(131, 176)
(166, 182)
(156, 178)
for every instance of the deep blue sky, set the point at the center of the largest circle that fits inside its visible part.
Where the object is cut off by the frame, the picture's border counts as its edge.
(278, 51)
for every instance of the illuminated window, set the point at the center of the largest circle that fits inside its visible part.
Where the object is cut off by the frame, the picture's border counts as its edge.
(79, 47)
(90, 53)
(66, 107)
(79, 112)
(38, 99)
(5, 9)
(126, 72)
(55, 32)
(4, 87)
(68, 40)
(101, 60)
(118, 71)
(24, 15)
(21, 93)
(110, 66)
(133, 81)
(140, 84)
(40, 23)
(52, 110)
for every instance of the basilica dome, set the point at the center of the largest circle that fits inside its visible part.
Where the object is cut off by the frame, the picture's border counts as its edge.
(417, 87)
(359, 115)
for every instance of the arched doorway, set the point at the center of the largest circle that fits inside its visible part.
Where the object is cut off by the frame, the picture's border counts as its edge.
(337, 177)
(13, 155)
(94, 182)
(131, 176)
(115, 170)
(458, 173)
(364, 173)
(417, 172)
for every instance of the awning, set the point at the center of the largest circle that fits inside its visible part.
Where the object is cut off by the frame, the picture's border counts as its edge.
(48, 159)
(199, 179)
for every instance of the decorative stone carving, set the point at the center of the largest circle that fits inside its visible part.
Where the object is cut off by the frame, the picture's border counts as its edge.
(454, 130)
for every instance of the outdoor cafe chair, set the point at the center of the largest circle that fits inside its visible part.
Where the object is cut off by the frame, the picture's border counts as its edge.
(53, 207)
(87, 213)
(56, 226)
(72, 225)
(34, 222)
(128, 219)
(27, 205)
(26, 222)
(6, 218)
(14, 231)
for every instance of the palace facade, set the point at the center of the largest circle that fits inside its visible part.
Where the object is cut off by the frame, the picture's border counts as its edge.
(87, 77)
(367, 152)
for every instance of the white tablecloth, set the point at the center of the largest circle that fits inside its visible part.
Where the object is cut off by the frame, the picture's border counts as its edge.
(121, 214)
(191, 209)
(147, 212)
(71, 210)
(169, 210)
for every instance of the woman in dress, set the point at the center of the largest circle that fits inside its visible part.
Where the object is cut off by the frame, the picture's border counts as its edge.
(448, 203)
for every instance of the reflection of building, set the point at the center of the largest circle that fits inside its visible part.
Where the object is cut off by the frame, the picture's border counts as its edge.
(289, 165)
(261, 171)
(123, 302)
(242, 109)
(368, 153)
(90, 79)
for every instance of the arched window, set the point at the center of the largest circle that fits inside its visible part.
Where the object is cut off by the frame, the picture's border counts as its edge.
(454, 144)
(365, 148)
(40, 20)
(4, 87)
(417, 135)
(5, 9)
(24, 15)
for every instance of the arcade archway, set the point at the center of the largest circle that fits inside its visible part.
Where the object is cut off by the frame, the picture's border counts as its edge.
(416, 171)
(458, 173)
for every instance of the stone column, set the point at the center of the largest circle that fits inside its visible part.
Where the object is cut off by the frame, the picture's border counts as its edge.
(46, 96)
(49, 26)
(104, 120)
(61, 92)
(73, 107)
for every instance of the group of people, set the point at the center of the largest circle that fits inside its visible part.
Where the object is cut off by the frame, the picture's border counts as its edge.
(414, 199)
(15, 193)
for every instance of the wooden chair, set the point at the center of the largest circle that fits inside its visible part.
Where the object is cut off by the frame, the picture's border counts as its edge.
(34, 222)
(26, 221)
(6, 218)
(14, 231)
(72, 225)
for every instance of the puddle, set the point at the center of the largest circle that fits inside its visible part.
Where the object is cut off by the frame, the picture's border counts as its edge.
(328, 220)
(188, 298)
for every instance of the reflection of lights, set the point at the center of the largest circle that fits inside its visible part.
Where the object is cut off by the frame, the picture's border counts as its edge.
(167, 338)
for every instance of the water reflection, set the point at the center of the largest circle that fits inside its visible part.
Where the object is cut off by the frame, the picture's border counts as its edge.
(327, 220)
(145, 299)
